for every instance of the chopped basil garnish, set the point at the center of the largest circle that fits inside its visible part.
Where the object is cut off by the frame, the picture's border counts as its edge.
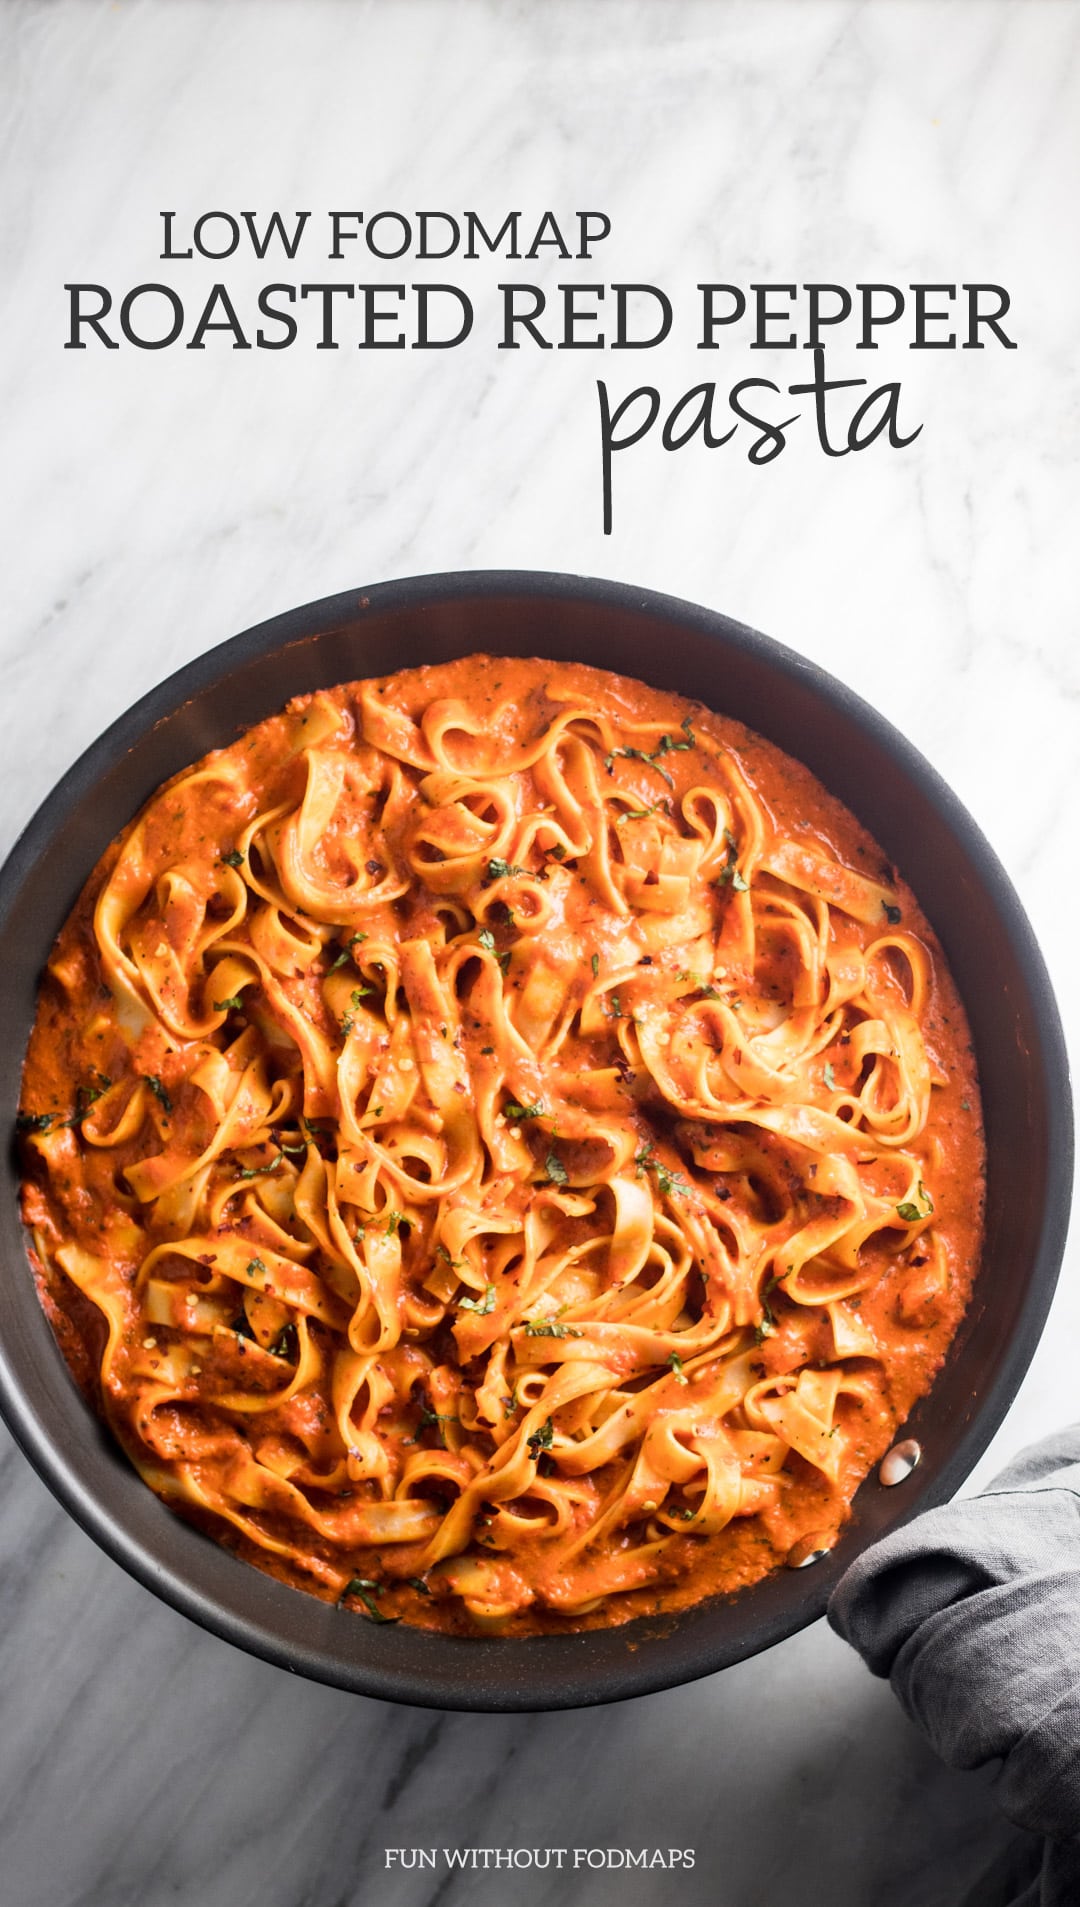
(434, 1420)
(550, 1328)
(85, 1097)
(482, 1306)
(668, 1182)
(353, 941)
(666, 746)
(256, 1171)
(669, 747)
(912, 1213)
(366, 1590)
(638, 754)
(767, 1327)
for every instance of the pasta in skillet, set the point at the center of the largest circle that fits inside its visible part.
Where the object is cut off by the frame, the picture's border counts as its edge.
(501, 1148)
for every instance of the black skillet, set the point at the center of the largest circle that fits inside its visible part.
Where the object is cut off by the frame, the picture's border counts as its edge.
(920, 825)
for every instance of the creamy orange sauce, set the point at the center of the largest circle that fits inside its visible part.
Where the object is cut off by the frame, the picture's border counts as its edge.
(502, 1148)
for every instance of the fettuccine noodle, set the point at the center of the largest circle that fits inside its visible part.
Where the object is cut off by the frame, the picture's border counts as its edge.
(502, 1149)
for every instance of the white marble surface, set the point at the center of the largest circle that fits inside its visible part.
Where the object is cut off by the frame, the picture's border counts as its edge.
(155, 503)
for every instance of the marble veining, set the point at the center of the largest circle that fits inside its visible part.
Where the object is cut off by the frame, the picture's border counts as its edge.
(155, 503)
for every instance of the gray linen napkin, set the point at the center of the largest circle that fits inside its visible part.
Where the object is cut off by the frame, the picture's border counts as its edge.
(973, 1612)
